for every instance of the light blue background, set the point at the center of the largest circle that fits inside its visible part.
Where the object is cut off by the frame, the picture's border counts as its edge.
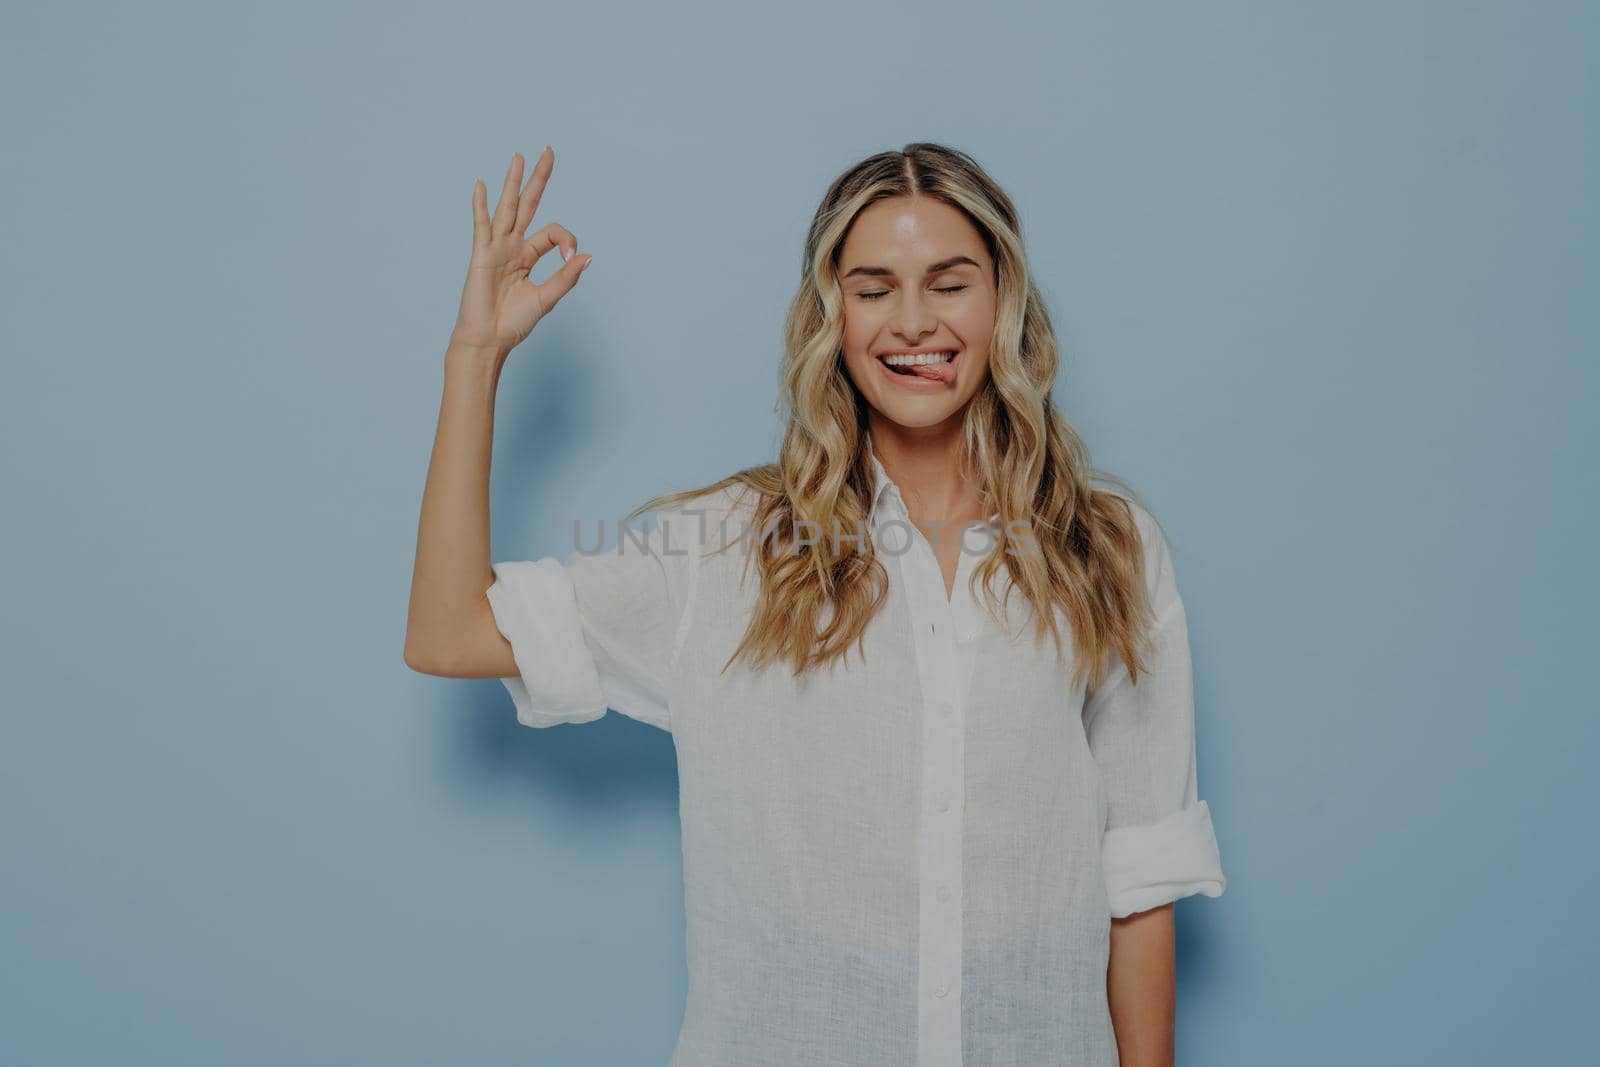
(1325, 278)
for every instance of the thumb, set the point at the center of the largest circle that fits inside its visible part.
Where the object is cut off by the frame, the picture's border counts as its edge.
(561, 282)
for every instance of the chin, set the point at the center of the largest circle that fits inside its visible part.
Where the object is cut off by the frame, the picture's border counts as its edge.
(917, 412)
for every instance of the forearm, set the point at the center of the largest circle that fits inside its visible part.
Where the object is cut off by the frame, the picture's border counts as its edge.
(452, 569)
(1141, 987)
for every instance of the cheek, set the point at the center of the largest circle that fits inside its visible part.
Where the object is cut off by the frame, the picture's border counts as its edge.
(975, 321)
(859, 328)
(860, 334)
(857, 342)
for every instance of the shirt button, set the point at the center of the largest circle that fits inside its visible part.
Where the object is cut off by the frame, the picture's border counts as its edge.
(940, 990)
(944, 892)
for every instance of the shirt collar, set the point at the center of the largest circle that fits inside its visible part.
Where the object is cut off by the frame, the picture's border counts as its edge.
(883, 487)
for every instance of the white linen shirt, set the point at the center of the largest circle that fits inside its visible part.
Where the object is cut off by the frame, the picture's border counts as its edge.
(909, 859)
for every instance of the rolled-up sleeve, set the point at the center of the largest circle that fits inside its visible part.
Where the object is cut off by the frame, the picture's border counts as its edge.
(599, 630)
(1158, 844)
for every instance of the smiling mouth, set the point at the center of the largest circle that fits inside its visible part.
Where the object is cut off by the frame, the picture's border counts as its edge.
(921, 367)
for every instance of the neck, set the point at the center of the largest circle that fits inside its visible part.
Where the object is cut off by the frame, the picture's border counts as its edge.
(926, 464)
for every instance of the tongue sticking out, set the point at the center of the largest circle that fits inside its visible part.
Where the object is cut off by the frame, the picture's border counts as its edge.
(942, 371)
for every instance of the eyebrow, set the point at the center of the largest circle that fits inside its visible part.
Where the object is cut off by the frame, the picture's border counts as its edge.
(943, 264)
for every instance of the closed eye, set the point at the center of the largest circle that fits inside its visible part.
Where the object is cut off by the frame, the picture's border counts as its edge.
(877, 293)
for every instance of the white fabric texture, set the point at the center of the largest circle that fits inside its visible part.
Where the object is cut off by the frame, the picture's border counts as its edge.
(910, 858)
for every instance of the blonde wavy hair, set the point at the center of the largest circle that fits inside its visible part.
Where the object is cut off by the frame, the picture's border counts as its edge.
(1085, 554)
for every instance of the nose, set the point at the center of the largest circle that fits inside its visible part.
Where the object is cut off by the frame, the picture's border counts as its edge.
(913, 318)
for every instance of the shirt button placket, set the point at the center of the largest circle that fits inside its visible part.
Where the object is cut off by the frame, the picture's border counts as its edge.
(943, 782)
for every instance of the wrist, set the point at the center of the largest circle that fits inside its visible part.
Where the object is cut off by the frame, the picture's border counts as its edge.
(459, 350)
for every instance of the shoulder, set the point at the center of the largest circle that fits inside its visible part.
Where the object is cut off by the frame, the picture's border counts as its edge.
(1144, 519)
(707, 519)
(726, 500)
(1153, 546)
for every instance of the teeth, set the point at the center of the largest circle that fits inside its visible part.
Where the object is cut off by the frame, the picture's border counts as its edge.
(919, 358)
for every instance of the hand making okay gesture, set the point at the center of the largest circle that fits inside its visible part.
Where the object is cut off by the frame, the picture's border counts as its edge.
(500, 304)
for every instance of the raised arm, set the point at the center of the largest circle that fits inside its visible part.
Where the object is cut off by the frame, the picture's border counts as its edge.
(450, 629)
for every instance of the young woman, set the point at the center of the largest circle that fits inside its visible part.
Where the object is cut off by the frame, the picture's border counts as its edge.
(929, 689)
